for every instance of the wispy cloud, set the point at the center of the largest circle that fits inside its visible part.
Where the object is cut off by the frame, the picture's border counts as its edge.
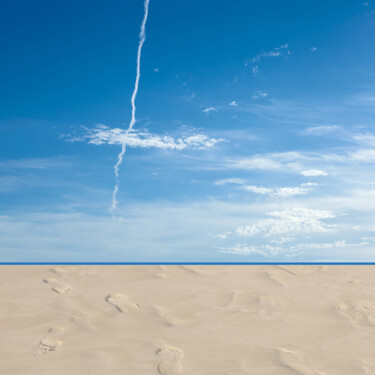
(137, 139)
(259, 95)
(209, 109)
(286, 191)
(289, 221)
(321, 130)
(313, 173)
(272, 53)
(255, 162)
(279, 191)
(292, 251)
(364, 155)
(331, 245)
(244, 249)
(368, 139)
(225, 181)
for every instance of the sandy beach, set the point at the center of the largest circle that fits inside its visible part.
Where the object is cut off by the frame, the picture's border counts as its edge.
(309, 320)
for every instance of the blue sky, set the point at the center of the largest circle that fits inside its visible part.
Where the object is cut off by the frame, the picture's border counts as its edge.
(254, 139)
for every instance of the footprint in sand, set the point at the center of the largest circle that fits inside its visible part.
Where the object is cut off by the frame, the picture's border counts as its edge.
(124, 305)
(360, 313)
(51, 342)
(58, 286)
(266, 306)
(162, 314)
(295, 362)
(367, 367)
(59, 271)
(161, 273)
(171, 358)
(121, 302)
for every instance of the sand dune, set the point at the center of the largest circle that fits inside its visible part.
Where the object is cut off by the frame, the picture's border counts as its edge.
(287, 320)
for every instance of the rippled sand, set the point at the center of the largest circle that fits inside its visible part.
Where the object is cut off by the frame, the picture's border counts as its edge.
(309, 320)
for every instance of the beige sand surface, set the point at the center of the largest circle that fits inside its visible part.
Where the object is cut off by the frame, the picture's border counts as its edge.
(215, 320)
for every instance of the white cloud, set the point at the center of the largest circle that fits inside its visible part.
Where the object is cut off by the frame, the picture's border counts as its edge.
(365, 138)
(225, 181)
(291, 191)
(233, 104)
(313, 173)
(258, 189)
(223, 236)
(365, 155)
(272, 53)
(321, 130)
(255, 70)
(278, 192)
(259, 94)
(209, 109)
(313, 49)
(283, 240)
(292, 251)
(336, 244)
(136, 139)
(242, 249)
(255, 163)
(295, 220)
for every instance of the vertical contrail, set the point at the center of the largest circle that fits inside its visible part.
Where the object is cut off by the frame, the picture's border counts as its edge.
(142, 38)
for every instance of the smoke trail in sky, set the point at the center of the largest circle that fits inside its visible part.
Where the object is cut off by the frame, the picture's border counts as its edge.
(142, 38)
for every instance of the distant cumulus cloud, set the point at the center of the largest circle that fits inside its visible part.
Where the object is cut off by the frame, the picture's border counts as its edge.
(274, 191)
(336, 244)
(259, 94)
(258, 189)
(292, 251)
(209, 109)
(279, 191)
(233, 104)
(321, 130)
(261, 163)
(313, 173)
(244, 249)
(137, 139)
(272, 53)
(366, 156)
(368, 139)
(223, 236)
(289, 221)
(282, 240)
(225, 181)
